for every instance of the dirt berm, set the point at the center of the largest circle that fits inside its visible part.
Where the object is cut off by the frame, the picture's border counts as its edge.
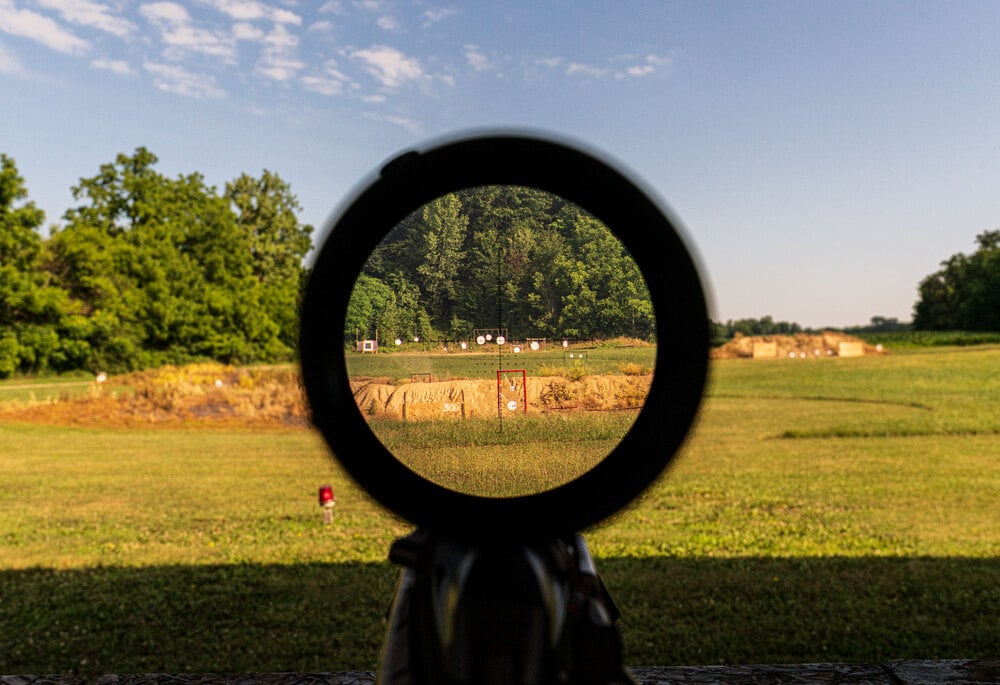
(799, 346)
(472, 398)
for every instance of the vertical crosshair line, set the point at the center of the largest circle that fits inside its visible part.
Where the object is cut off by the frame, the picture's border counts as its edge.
(499, 327)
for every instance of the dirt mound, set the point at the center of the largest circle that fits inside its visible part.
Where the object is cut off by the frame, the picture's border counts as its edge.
(799, 346)
(214, 395)
(205, 395)
(479, 398)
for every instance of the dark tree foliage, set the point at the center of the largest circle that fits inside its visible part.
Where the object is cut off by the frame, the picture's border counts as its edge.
(40, 327)
(501, 256)
(267, 217)
(965, 293)
(765, 325)
(149, 270)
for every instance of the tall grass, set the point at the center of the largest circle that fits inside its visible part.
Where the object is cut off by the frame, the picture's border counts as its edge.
(519, 455)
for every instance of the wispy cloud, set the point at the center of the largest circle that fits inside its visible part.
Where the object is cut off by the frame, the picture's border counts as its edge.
(250, 10)
(174, 79)
(115, 66)
(177, 32)
(436, 14)
(647, 66)
(323, 26)
(247, 31)
(331, 81)
(40, 28)
(477, 60)
(620, 67)
(387, 22)
(278, 61)
(580, 69)
(332, 7)
(93, 14)
(10, 64)
(405, 122)
(389, 66)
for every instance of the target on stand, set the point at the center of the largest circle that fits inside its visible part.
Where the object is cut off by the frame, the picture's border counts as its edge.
(512, 391)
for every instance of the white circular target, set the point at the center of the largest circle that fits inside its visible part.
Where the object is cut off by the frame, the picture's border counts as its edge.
(489, 336)
(512, 405)
(480, 340)
(534, 345)
(501, 340)
(517, 349)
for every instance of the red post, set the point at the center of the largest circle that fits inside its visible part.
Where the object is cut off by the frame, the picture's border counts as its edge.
(327, 500)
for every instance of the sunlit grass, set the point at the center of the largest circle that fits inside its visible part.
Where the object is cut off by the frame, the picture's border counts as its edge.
(823, 510)
(517, 455)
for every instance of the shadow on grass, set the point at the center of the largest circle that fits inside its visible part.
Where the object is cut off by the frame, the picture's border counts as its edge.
(322, 617)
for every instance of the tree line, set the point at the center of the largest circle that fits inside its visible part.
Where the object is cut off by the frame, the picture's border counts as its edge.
(500, 257)
(147, 270)
(965, 293)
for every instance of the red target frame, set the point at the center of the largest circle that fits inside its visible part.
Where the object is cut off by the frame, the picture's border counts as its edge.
(506, 392)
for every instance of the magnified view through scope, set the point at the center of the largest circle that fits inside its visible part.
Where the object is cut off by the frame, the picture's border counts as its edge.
(500, 341)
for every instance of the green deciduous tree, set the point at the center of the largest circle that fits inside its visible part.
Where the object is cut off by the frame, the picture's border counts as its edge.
(164, 267)
(36, 331)
(510, 257)
(965, 293)
(266, 211)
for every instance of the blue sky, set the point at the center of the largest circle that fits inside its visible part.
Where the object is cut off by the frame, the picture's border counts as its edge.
(824, 157)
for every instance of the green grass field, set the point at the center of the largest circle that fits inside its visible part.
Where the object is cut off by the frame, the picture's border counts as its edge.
(823, 510)
(400, 365)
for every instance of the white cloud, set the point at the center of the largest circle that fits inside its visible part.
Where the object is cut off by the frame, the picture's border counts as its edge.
(640, 70)
(405, 122)
(115, 66)
(38, 27)
(331, 81)
(477, 60)
(165, 12)
(281, 16)
(434, 15)
(332, 7)
(10, 64)
(370, 5)
(578, 69)
(387, 22)
(251, 10)
(389, 66)
(176, 31)
(650, 65)
(93, 14)
(278, 61)
(320, 27)
(623, 66)
(245, 31)
(175, 79)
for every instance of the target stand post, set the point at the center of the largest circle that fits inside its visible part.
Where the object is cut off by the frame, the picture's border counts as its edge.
(327, 500)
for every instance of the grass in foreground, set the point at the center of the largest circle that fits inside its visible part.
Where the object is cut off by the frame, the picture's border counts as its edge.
(836, 510)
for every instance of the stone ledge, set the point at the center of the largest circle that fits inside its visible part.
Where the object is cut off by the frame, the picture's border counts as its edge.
(900, 672)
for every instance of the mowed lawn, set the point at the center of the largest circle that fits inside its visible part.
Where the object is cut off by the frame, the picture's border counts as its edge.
(823, 510)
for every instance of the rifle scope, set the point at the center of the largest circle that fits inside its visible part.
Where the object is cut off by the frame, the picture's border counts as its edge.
(517, 193)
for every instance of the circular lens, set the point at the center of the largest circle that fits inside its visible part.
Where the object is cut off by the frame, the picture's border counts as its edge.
(501, 263)
(410, 184)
